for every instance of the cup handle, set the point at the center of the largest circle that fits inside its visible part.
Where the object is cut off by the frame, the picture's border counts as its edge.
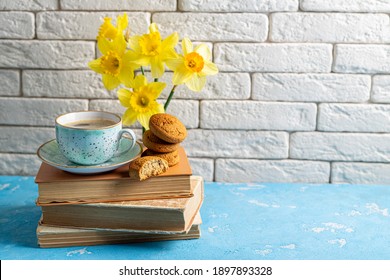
(120, 135)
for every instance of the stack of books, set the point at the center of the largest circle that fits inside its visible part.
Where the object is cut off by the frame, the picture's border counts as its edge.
(109, 208)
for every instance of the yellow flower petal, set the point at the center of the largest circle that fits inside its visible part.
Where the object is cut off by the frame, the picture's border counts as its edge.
(171, 41)
(107, 30)
(119, 44)
(153, 28)
(129, 117)
(142, 102)
(181, 75)
(174, 63)
(103, 45)
(124, 97)
(187, 46)
(144, 119)
(156, 88)
(122, 22)
(130, 57)
(110, 82)
(143, 60)
(157, 67)
(126, 76)
(134, 43)
(140, 81)
(196, 83)
(204, 51)
(130, 61)
(95, 65)
(209, 68)
(168, 54)
(159, 109)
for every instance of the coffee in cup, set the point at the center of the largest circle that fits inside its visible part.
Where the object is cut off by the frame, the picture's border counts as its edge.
(90, 137)
(95, 124)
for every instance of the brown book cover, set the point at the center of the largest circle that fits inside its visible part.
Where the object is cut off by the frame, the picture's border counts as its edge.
(52, 237)
(60, 187)
(173, 215)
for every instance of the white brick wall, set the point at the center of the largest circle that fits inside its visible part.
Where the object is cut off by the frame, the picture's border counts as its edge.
(10, 82)
(273, 57)
(17, 25)
(368, 147)
(119, 5)
(311, 87)
(82, 25)
(253, 170)
(381, 89)
(303, 93)
(330, 27)
(238, 6)
(45, 54)
(359, 58)
(29, 5)
(64, 84)
(36, 111)
(354, 117)
(363, 6)
(257, 115)
(215, 27)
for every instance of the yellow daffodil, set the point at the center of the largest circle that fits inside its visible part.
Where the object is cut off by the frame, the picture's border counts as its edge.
(153, 51)
(108, 31)
(141, 103)
(116, 65)
(193, 66)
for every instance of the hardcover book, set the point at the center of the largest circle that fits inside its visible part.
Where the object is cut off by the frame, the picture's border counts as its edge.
(59, 187)
(174, 215)
(50, 237)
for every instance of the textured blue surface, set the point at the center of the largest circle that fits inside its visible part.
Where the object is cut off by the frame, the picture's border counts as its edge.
(240, 221)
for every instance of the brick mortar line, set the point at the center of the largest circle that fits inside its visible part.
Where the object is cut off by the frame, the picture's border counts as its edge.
(363, 133)
(317, 115)
(330, 172)
(250, 159)
(22, 125)
(177, 10)
(251, 88)
(214, 169)
(304, 160)
(212, 42)
(35, 27)
(334, 55)
(21, 93)
(200, 12)
(371, 90)
(289, 144)
(224, 72)
(17, 153)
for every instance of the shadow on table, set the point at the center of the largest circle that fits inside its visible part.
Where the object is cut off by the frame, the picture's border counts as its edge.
(18, 225)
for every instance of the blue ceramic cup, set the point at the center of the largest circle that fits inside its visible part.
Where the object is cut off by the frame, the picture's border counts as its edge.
(90, 137)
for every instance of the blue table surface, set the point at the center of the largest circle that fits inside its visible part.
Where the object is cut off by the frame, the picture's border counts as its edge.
(240, 221)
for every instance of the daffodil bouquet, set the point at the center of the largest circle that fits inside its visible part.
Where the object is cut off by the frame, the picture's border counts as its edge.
(123, 56)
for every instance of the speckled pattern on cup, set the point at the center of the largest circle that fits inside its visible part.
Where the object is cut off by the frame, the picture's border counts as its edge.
(90, 146)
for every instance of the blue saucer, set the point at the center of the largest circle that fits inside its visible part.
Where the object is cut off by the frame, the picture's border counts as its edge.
(50, 154)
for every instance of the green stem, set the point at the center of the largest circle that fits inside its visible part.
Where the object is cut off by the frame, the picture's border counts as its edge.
(143, 130)
(142, 71)
(169, 97)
